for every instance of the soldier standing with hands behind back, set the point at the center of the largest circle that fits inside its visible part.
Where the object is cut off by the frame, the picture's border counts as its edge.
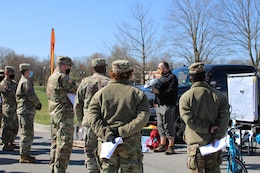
(87, 88)
(10, 120)
(205, 112)
(27, 104)
(120, 109)
(62, 115)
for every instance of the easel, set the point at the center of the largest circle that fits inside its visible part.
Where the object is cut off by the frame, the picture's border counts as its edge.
(243, 98)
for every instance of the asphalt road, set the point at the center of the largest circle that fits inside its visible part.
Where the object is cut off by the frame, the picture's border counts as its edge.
(153, 162)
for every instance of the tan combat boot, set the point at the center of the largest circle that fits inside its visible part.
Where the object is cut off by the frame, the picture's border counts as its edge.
(25, 158)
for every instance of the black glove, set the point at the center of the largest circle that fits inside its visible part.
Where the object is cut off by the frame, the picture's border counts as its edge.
(39, 106)
(111, 138)
(114, 130)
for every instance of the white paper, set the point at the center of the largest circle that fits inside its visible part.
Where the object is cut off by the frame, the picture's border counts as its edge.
(108, 148)
(72, 98)
(243, 97)
(208, 149)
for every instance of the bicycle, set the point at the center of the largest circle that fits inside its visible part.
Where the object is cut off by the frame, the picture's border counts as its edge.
(248, 140)
(234, 157)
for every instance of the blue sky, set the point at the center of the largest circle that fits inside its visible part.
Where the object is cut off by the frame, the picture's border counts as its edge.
(81, 26)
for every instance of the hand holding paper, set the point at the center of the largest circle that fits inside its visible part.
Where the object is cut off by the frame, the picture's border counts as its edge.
(108, 148)
(208, 149)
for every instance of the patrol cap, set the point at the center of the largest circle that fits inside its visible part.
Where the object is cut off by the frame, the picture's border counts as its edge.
(96, 62)
(24, 67)
(9, 68)
(64, 60)
(121, 66)
(197, 67)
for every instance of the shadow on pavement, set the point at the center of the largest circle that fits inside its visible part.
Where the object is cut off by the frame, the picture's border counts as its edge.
(252, 166)
(40, 151)
(15, 152)
(42, 143)
(77, 151)
(76, 162)
(5, 161)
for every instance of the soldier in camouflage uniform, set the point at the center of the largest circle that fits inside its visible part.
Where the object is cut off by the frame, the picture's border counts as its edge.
(205, 112)
(87, 88)
(61, 113)
(27, 104)
(10, 120)
(120, 109)
(1, 114)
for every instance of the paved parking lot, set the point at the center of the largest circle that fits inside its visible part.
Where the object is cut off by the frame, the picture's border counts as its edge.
(153, 162)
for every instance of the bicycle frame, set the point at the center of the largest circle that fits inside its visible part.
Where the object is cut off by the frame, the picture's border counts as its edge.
(233, 150)
(235, 159)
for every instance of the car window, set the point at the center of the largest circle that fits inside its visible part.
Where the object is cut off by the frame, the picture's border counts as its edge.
(220, 75)
(182, 76)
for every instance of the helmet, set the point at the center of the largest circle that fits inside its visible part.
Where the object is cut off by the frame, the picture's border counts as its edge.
(257, 138)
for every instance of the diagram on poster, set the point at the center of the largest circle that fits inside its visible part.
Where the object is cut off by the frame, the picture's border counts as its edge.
(242, 96)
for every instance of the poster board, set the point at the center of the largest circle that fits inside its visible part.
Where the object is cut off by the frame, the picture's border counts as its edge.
(243, 96)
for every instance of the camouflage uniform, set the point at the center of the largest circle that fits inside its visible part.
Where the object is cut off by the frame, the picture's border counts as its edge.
(27, 103)
(202, 107)
(1, 114)
(10, 119)
(62, 116)
(120, 109)
(87, 88)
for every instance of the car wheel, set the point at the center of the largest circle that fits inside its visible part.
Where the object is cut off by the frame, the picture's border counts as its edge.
(179, 127)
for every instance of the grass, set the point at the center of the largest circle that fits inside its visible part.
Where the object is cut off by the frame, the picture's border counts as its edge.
(42, 116)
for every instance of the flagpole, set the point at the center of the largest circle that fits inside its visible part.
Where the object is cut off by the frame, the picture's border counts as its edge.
(52, 51)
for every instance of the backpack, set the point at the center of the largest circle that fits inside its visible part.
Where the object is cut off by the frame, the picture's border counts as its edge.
(154, 140)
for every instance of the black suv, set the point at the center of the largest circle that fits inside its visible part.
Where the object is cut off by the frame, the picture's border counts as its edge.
(218, 78)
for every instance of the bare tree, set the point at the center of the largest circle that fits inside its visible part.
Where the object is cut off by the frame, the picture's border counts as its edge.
(123, 53)
(193, 32)
(4, 54)
(241, 21)
(138, 37)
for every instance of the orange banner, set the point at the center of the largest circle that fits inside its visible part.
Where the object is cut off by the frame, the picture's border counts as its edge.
(52, 51)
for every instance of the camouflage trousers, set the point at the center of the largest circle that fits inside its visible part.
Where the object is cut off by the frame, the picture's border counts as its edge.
(91, 143)
(9, 128)
(1, 117)
(27, 133)
(197, 163)
(127, 157)
(62, 129)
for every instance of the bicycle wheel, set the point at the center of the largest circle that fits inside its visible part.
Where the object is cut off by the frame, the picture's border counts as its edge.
(240, 167)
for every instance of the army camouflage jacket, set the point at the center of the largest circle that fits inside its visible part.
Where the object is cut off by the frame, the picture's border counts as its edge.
(8, 89)
(26, 98)
(118, 105)
(87, 88)
(59, 84)
(201, 107)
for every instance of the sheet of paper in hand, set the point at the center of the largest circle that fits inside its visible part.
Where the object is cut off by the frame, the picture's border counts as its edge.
(108, 148)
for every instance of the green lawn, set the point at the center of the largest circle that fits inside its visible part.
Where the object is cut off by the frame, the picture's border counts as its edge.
(42, 116)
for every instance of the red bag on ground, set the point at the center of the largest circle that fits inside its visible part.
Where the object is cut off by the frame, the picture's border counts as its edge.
(154, 140)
